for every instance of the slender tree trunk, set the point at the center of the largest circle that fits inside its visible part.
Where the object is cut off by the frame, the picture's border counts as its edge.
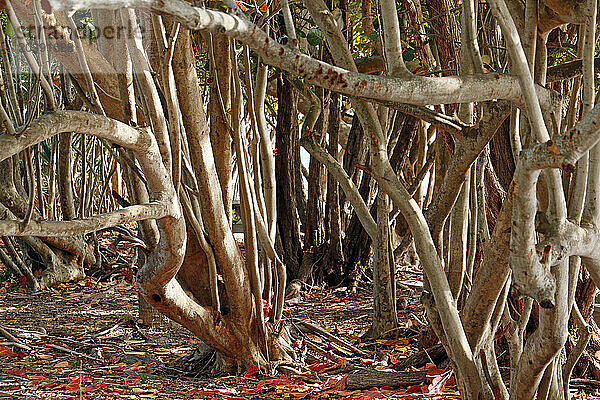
(286, 142)
(385, 317)
(220, 118)
(335, 255)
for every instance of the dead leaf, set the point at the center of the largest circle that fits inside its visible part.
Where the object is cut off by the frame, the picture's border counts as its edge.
(62, 364)
(253, 370)
(6, 352)
(17, 371)
(319, 366)
(137, 390)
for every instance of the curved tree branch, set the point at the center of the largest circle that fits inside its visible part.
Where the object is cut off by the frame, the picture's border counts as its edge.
(156, 279)
(415, 89)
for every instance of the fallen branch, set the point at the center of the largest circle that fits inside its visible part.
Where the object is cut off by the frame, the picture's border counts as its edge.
(364, 378)
(324, 353)
(73, 352)
(435, 355)
(322, 332)
(585, 383)
(16, 342)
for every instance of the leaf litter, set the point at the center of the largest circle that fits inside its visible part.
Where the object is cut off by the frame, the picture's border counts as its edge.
(86, 343)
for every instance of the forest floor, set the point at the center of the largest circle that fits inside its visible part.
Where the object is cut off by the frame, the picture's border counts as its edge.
(84, 341)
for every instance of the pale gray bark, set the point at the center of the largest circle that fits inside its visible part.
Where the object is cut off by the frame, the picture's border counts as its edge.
(548, 277)
(143, 73)
(389, 182)
(415, 90)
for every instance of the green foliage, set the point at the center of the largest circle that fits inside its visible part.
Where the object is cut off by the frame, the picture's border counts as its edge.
(6, 274)
(314, 36)
(144, 378)
(409, 54)
(46, 152)
(311, 133)
(126, 316)
(573, 332)
(375, 22)
(235, 216)
(9, 29)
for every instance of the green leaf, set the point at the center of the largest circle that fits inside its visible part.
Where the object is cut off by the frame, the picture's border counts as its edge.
(409, 54)
(374, 35)
(486, 59)
(314, 37)
(9, 29)
(375, 22)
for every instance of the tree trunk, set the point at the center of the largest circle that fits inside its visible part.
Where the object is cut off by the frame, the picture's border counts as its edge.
(335, 256)
(286, 142)
(220, 119)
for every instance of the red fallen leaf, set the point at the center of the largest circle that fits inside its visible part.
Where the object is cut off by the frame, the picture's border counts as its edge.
(432, 370)
(293, 292)
(253, 370)
(203, 392)
(336, 382)
(319, 366)
(74, 385)
(264, 7)
(451, 381)
(137, 367)
(23, 281)
(17, 371)
(393, 359)
(242, 7)
(40, 377)
(415, 389)
(58, 371)
(6, 352)
(341, 385)
(267, 309)
(283, 381)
